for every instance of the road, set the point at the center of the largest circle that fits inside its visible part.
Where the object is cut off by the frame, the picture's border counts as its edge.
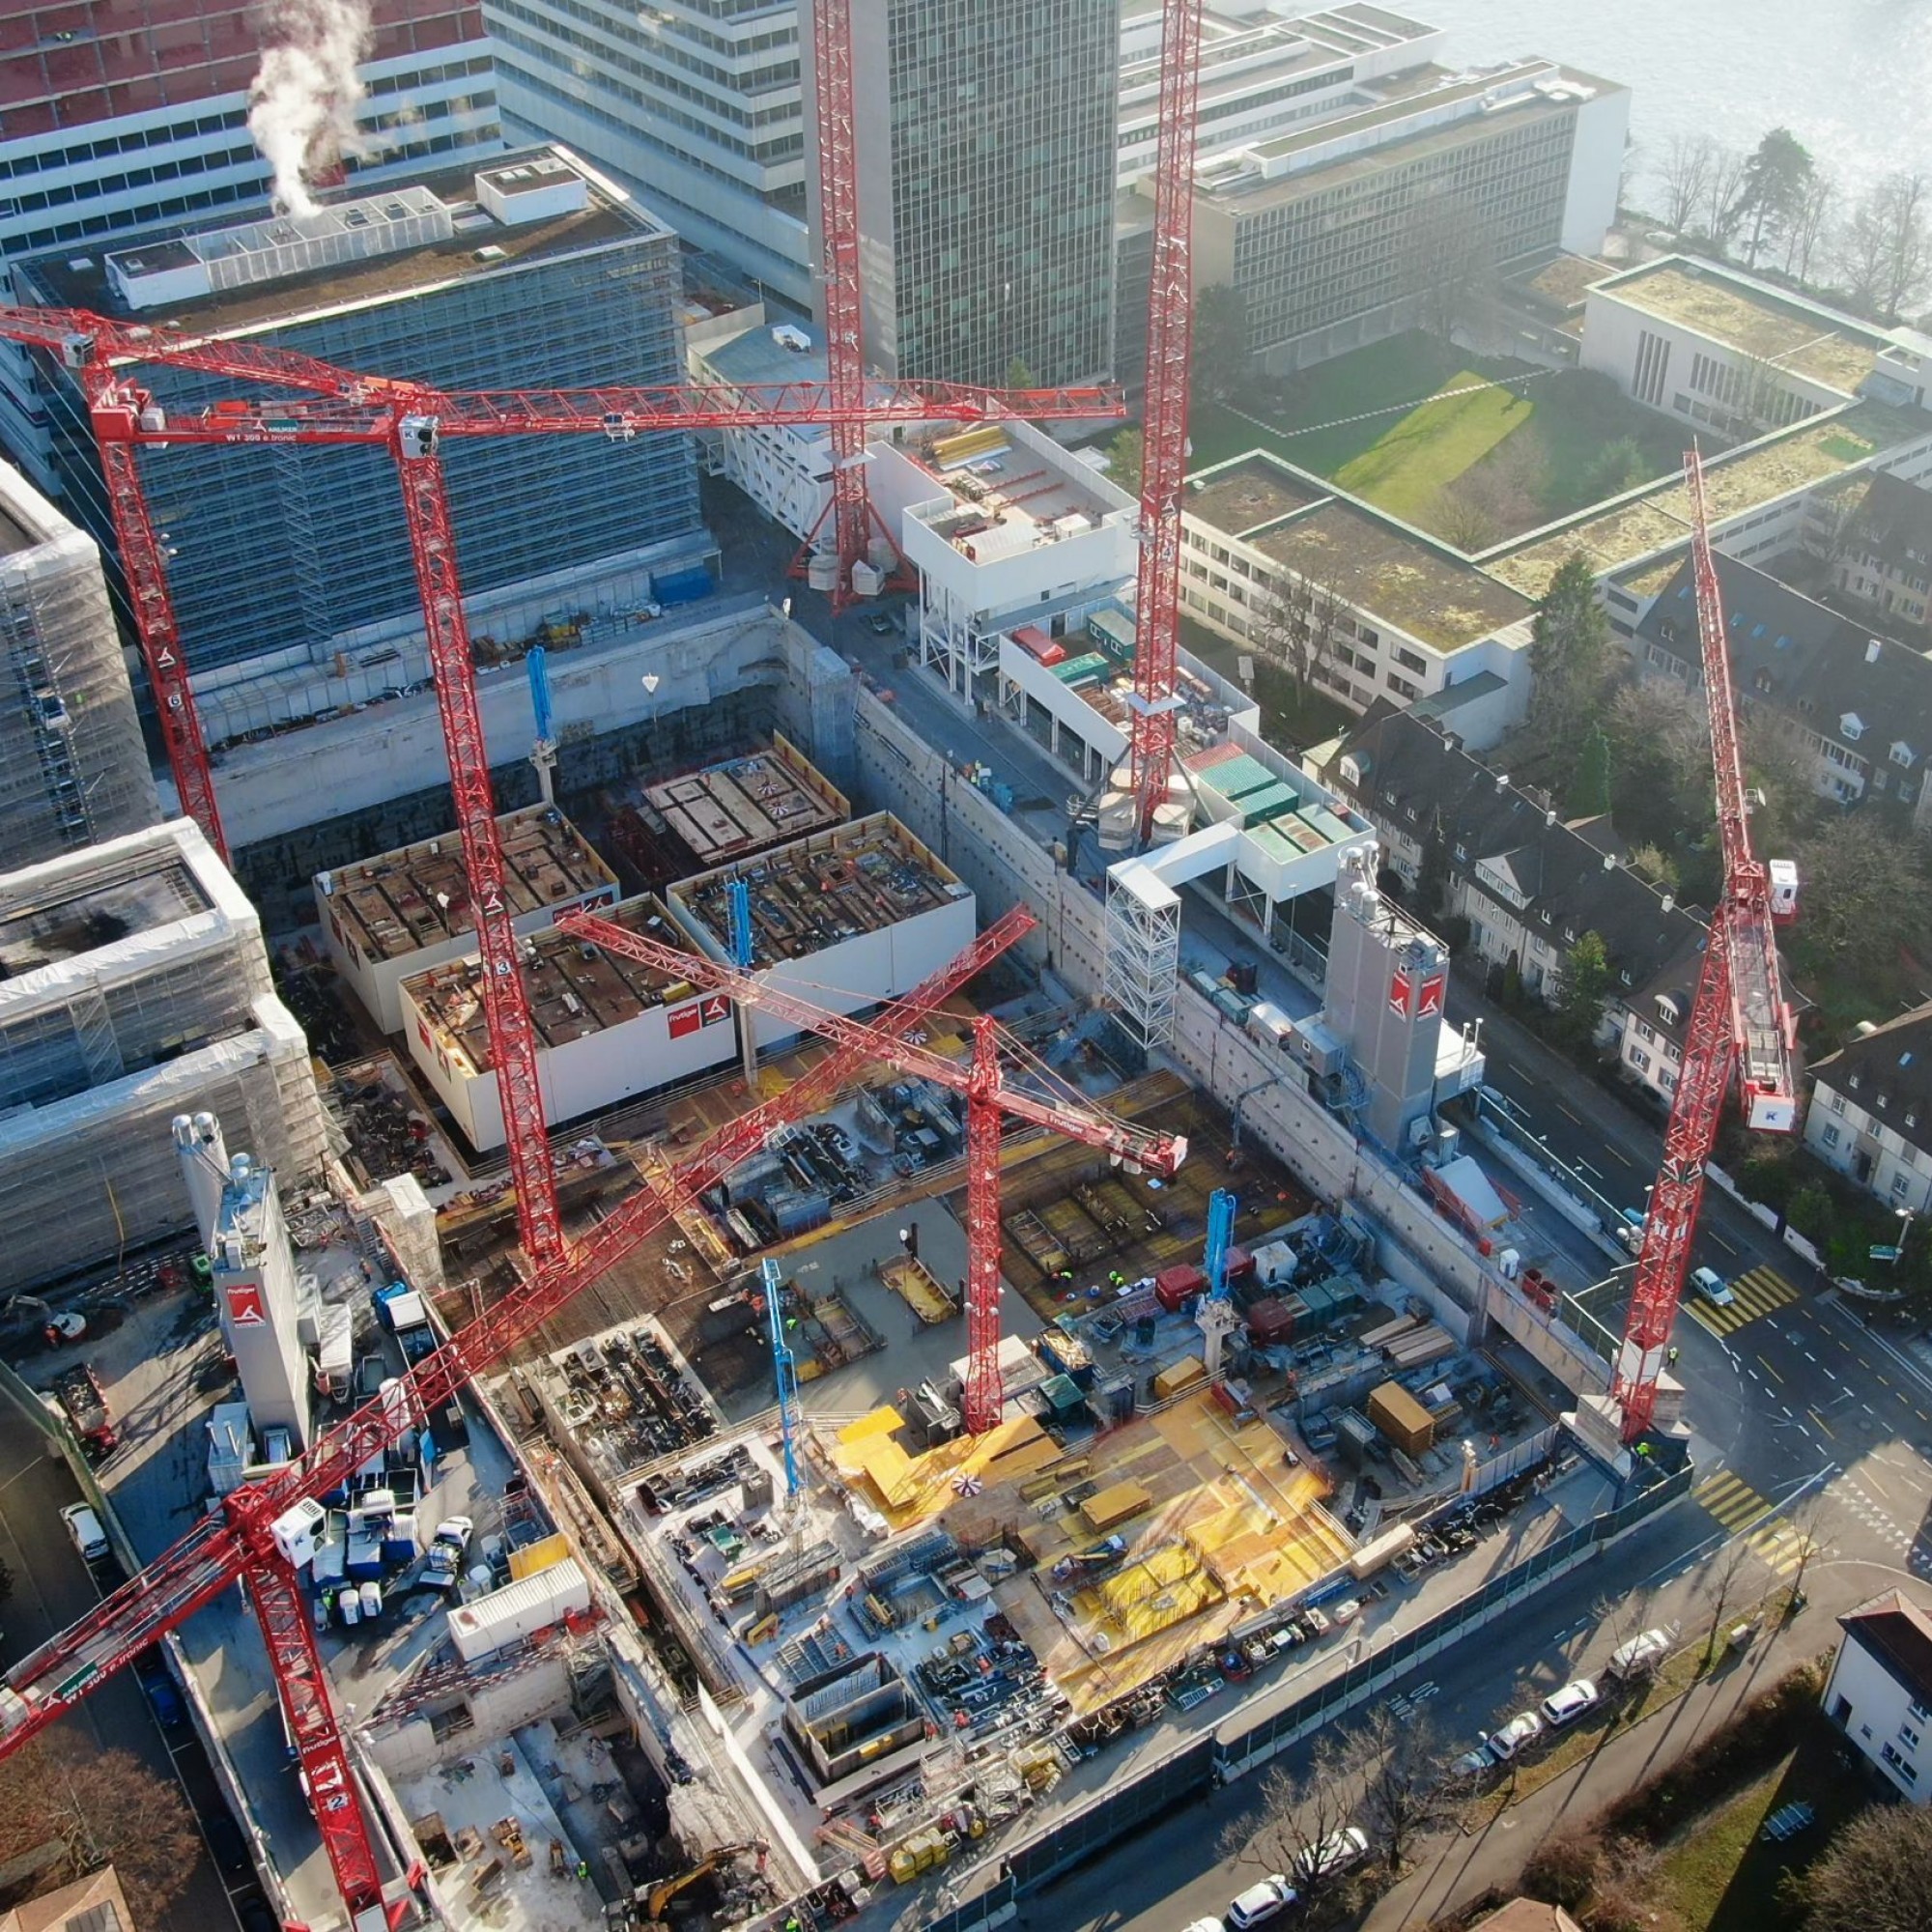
(52, 1588)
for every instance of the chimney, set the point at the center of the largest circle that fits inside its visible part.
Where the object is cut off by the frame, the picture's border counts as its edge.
(1502, 783)
(1668, 903)
(1609, 862)
(1549, 817)
(1872, 645)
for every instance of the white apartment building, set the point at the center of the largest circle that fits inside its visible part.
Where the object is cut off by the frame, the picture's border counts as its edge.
(1415, 619)
(1880, 1690)
(1872, 1110)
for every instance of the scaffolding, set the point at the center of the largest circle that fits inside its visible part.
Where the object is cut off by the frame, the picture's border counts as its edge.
(74, 769)
(1143, 956)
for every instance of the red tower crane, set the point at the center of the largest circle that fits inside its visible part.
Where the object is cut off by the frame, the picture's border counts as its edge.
(259, 1536)
(1164, 417)
(1740, 1021)
(410, 420)
(990, 1097)
(851, 506)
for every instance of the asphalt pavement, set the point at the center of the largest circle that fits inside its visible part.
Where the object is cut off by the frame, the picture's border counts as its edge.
(53, 1588)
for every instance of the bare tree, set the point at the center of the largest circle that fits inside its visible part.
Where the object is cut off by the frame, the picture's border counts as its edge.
(1721, 1588)
(1875, 1875)
(1447, 253)
(1295, 625)
(1404, 1794)
(104, 1807)
(1724, 191)
(1300, 1811)
(1686, 175)
(1884, 250)
(1806, 1521)
(1804, 228)
(1621, 1618)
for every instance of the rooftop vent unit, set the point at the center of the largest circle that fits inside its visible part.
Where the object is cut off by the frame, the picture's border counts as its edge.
(256, 252)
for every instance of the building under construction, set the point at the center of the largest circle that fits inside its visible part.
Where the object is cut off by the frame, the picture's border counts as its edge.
(607, 1028)
(726, 811)
(861, 913)
(133, 987)
(72, 767)
(396, 916)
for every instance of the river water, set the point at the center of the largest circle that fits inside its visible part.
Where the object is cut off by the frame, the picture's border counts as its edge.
(1850, 78)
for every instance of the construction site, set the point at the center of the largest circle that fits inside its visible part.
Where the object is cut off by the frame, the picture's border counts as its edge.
(917, 1333)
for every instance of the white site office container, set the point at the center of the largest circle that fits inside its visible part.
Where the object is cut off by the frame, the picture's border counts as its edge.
(486, 1624)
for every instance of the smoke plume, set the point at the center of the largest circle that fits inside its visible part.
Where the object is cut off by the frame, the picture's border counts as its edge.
(301, 107)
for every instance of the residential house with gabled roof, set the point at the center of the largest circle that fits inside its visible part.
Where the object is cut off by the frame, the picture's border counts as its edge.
(1860, 704)
(1880, 1689)
(1885, 556)
(1872, 1110)
(1529, 884)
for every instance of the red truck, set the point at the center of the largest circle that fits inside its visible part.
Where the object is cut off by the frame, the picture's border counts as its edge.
(84, 1404)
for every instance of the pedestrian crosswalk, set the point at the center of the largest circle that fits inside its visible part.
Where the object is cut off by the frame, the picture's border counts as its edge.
(1738, 1507)
(1760, 1292)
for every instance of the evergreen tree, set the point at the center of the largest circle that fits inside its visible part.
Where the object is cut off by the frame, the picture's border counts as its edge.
(1569, 655)
(1590, 781)
(1220, 346)
(1584, 988)
(1124, 457)
(1019, 374)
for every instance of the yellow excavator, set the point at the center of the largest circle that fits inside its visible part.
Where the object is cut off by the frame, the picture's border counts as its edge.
(665, 1890)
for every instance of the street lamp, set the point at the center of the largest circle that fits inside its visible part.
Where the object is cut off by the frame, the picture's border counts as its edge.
(1904, 1218)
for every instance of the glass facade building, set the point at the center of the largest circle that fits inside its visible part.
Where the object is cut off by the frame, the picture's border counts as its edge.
(122, 115)
(276, 551)
(987, 135)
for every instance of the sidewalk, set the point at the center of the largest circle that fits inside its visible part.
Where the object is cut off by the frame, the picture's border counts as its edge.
(1453, 1871)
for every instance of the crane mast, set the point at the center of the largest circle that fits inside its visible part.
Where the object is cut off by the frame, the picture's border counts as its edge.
(1164, 419)
(1740, 1021)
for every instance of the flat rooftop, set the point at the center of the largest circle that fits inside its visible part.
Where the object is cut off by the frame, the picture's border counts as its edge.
(1793, 336)
(1003, 498)
(1399, 574)
(857, 878)
(79, 918)
(745, 805)
(420, 896)
(1404, 97)
(75, 277)
(1806, 454)
(574, 989)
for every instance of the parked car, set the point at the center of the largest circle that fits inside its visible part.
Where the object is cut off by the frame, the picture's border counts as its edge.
(1329, 1856)
(1521, 1730)
(1710, 1285)
(444, 1560)
(84, 1527)
(158, 1687)
(1260, 1902)
(1565, 1706)
(1641, 1656)
(1473, 1763)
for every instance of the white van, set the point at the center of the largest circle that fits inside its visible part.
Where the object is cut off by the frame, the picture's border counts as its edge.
(84, 1527)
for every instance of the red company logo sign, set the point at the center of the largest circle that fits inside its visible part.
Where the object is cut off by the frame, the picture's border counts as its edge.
(712, 1010)
(246, 1307)
(1433, 988)
(1399, 991)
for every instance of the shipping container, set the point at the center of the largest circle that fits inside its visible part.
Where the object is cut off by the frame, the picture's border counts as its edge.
(1184, 1373)
(1173, 1286)
(485, 1624)
(1401, 1418)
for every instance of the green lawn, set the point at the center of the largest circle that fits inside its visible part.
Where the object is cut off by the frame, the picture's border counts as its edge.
(1376, 422)
(1721, 1876)
(1423, 452)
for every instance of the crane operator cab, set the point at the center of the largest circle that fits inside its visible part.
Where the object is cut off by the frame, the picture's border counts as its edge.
(1783, 877)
